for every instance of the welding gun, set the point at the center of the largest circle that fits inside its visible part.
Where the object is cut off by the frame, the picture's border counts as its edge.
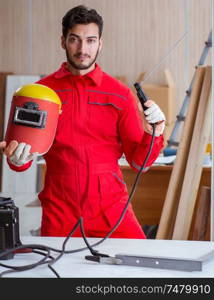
(141, 95)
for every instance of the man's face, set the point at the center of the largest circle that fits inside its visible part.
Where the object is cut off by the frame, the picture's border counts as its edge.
(82, 45)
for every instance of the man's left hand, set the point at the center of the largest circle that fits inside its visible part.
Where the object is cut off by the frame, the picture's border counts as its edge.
(154, 115)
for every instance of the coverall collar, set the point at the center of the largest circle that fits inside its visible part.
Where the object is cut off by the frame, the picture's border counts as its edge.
(95, 75)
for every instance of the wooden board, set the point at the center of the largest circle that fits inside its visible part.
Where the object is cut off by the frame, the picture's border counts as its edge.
(202, 215)
(15, 182)
(194, 165)
(3, 76)
(169, 211)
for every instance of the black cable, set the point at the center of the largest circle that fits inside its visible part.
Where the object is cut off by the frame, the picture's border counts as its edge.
(53, 270)
(122, 214)
(40, 247)
(79, 223)
(29, 266)
(133, 189)
(64, 243)
(41, 253)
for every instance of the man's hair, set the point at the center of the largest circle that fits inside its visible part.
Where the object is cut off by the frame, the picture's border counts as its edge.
(81, 15)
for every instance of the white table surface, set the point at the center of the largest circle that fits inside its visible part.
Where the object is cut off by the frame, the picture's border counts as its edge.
(76, 266)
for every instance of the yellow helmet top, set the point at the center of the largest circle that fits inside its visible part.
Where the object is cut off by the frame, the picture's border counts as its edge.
(38, 91)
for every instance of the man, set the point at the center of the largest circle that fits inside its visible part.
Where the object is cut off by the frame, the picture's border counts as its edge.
(99, 122)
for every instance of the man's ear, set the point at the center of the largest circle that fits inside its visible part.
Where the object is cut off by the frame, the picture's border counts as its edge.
(63, 42)
(100, 44)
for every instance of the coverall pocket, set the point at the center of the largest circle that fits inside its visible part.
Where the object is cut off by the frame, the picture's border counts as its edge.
(114, 195)
(111, 184)
(106, 100)
(102, 117)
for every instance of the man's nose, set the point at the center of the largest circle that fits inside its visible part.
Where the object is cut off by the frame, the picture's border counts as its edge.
(82, 46)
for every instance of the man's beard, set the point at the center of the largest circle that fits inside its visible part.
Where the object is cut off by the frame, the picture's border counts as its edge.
(80, 66)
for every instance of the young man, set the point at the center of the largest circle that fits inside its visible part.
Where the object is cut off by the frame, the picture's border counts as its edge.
(99, 122)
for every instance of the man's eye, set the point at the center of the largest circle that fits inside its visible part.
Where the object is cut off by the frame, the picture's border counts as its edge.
(72, 39)
(91, 41)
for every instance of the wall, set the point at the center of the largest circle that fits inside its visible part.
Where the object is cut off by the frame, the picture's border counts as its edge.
(137, 35)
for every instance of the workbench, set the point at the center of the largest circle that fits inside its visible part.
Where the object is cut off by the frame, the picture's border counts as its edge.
(151, 191)
(150, 194)
(76, 266)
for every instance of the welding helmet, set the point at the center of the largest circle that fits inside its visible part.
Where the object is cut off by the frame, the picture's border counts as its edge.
(33, 118)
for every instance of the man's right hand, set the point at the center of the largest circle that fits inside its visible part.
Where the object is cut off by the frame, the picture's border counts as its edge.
(17, 153)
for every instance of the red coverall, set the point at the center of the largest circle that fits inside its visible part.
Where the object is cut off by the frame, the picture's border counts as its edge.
(99, 122)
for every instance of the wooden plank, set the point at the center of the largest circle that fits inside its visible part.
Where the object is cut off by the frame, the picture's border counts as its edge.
(169, 211)
(202, 215)
(201, 134)
(3, 76)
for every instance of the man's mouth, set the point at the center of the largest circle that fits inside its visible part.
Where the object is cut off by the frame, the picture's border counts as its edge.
(82, 57)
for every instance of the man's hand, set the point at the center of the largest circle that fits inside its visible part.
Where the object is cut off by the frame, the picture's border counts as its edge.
(17, 153)
(153, 115)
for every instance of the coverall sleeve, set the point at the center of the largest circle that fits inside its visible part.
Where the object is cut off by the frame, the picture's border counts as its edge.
(21, 168)
(135, 141)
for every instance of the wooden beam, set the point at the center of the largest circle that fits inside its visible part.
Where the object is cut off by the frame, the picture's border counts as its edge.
(202, 215)
(200, 137)
(3, 76)
(170, 206)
